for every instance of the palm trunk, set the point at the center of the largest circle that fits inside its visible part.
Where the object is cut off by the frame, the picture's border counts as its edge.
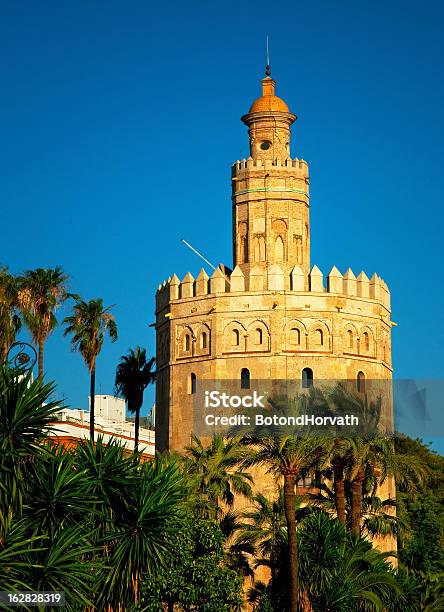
(41, 351)
(92, 394)
(290, 517)
(136, 429)
(356, 504)
(339, 488)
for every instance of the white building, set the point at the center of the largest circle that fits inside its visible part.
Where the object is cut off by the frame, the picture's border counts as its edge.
(72, 424)
(109, 407)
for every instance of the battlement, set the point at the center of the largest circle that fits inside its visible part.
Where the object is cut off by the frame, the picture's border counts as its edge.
(298, 166)
(273, 279)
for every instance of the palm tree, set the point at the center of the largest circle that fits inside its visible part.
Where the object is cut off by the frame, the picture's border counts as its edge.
(108, 475)
(88, 326)
(25, 416)
(57, 494)
(134, 373)
(41, 292)
(10, 322)
(286, 456)
(340, 571)
(214, 469)
(265, 528)
(141, 536)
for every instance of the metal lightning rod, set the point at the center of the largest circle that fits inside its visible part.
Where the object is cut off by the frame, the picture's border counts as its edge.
(267, 67)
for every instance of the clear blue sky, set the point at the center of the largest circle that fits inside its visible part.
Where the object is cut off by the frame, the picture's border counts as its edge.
(119, 122)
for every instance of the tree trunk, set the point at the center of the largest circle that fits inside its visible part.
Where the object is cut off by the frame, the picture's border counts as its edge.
(356, 504)
(339, 488)
(92, 394)
(290, 517)
(136, 429)
(41, 351)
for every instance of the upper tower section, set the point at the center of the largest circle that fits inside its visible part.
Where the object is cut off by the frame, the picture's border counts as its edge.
(270, 192)
(269, 121)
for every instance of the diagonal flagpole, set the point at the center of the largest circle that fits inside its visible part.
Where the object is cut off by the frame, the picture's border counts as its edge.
(197, 253)
(202, 257)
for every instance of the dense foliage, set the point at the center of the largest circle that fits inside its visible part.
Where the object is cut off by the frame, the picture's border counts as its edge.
(195, 577)
(115, 533)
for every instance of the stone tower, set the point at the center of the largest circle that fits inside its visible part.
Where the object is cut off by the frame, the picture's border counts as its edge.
(272, 316)
(270, 194)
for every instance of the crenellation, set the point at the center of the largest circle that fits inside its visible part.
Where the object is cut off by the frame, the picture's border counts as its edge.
(363, 285)
(350, 283)
(218, 282)
(283, 164)
(237, 280)
(187, 286)
(202, 283)
(256, 279)
(335, 281)
(273, 278)
(316, 280)
(375, 288)
(174, 288)
(298, 279)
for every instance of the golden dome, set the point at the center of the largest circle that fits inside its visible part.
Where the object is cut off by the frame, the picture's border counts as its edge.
(268, 101)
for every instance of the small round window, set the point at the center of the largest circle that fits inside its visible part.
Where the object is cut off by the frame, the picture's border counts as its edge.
(265, 145)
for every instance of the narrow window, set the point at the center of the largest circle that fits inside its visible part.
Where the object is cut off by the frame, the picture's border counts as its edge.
(307, 378)
(236, 337)
(187, 342)
(193, 381)
(295, 336)
(350, 338)
(204, 340)
(258, 336)
(319, 337)
(245, 378)
(360, 382)
(366, 341)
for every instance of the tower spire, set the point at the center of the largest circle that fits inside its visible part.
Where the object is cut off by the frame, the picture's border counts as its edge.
(268, 67)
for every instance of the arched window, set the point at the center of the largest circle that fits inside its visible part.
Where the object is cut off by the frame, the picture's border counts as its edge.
(236, 337)
(307, 378)
(366, 341)
(319, 337)
(203, 340)
(193, 381)
(360, 382)
(295, 336)
(350, 338)
(245, 378)
(258, 336)
(187, 342)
